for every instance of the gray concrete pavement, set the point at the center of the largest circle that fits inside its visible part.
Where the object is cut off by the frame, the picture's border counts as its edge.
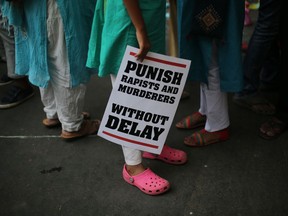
(43, 175)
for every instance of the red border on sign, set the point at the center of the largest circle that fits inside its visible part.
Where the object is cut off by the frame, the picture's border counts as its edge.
(162, 61)
(130, 141)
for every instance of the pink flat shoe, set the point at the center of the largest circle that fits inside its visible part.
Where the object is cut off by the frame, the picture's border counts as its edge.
(168, 155)
(148, 182)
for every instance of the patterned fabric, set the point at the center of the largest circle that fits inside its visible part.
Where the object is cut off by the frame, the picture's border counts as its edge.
(199, 49)
(209, 17)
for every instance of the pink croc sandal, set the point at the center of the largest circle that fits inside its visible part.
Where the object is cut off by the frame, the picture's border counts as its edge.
(148, 182)
(168, 155)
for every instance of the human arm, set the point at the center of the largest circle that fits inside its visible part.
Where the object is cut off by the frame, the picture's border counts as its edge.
(135, 14)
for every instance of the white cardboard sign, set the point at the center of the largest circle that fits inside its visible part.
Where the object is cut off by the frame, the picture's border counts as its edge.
(143, 101)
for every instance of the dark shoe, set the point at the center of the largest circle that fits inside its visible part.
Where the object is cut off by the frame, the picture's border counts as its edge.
(272, 128)
(15, 96)
(5, 80)
(88, 127)
(255, 102)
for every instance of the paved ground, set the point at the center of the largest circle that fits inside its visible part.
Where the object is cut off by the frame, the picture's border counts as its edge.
(41, 175)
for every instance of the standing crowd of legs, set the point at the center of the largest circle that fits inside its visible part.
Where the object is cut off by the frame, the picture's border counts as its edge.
(65, 43)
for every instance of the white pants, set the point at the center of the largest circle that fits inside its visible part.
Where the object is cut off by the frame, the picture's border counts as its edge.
(64, 103)
(213, 102)
(131, 156)
(60, 100)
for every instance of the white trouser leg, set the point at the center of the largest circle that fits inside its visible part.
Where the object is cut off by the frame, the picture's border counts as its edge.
(131, 156)
(60, 99)
(214, 103)
(58, 61)
(70, 104)
(48, 100)
(64, 103)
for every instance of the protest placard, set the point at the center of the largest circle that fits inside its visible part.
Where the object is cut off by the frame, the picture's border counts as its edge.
(144, 100)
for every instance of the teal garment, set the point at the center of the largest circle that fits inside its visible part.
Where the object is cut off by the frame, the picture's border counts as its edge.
(198, 48)
(14, 13)
(112, 31)
(31, 38)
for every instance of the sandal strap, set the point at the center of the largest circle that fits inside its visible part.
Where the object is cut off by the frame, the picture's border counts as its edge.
(203, 137)
(194, 120)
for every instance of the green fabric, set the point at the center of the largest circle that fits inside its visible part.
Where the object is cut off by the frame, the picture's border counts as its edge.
(105, 1)
(113, 32)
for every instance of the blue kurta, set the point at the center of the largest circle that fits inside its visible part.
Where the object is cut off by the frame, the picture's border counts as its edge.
(113, 30)
(198, 49)
(31, 37)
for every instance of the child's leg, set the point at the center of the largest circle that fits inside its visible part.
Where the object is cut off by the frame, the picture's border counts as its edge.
(133, 160)
(132, 157)
(137, 175)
